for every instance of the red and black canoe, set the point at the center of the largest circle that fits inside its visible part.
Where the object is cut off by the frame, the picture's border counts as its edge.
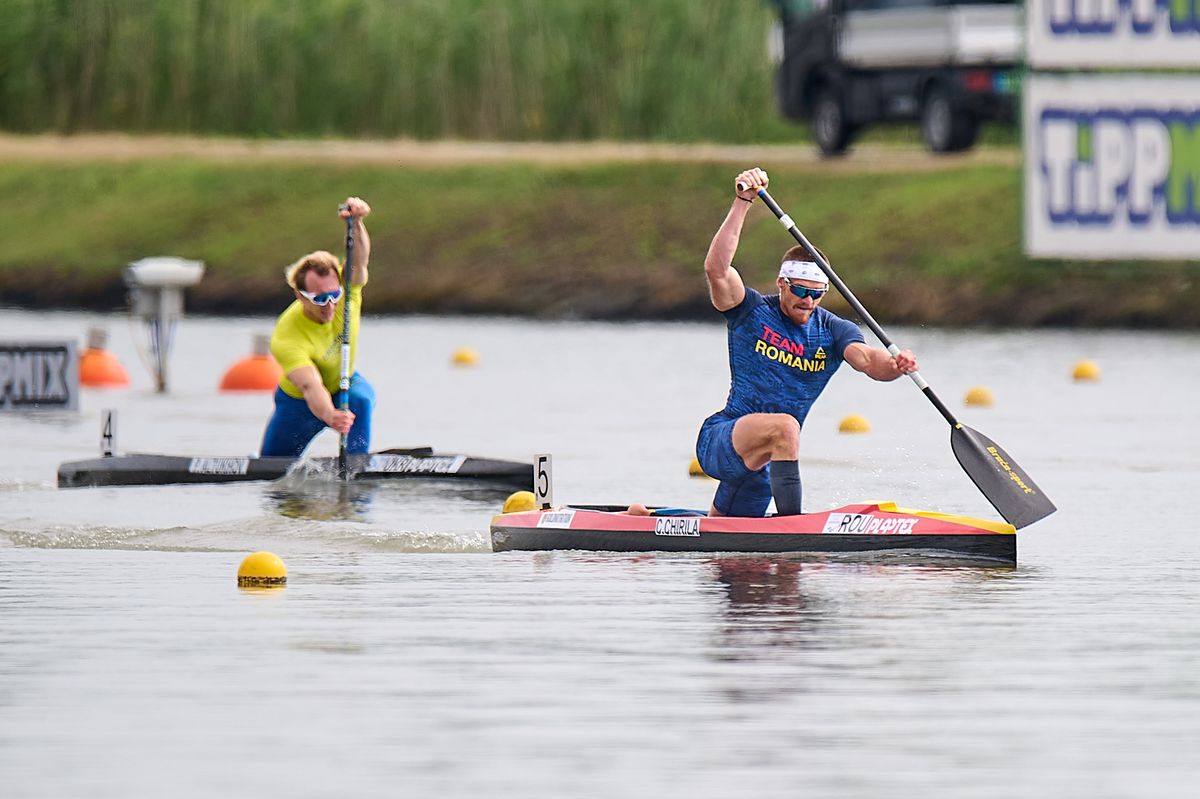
(870, 527)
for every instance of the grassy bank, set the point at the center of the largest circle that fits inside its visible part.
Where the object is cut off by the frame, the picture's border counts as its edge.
(607, 241)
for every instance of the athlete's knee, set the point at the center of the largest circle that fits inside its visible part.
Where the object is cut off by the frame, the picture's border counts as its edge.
(784, 433)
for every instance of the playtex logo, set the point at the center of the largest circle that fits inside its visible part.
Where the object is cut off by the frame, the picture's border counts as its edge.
(1127, 167)
(1102, 18)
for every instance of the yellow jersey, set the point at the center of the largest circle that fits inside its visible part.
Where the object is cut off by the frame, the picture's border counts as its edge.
(299, 341)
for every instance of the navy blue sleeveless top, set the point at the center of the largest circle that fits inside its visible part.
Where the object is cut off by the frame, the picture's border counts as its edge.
(776, 365)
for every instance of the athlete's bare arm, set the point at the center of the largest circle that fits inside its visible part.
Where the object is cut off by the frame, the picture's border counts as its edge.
(308, 380)
(725, 285)
(357, 208)
(878, 364)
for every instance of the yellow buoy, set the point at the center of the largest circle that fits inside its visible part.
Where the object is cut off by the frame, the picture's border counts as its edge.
(518, 502)
(695, 469)
(854, 424)
(262, 570)
(980, 395)
(465, 356)
(1086, 370)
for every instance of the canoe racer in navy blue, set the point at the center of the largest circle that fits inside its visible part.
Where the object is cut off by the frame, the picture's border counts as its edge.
(783, 349)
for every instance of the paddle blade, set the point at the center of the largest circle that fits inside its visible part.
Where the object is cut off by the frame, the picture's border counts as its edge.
(1005, 484)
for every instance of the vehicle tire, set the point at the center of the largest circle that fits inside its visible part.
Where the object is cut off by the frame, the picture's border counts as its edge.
(829, 127)
(944, 128)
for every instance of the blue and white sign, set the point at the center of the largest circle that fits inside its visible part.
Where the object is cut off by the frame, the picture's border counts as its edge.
(1112, 166)
(1112, 33)
(39, 376)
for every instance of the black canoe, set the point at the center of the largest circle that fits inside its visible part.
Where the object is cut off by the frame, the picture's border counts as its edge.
(391, 464)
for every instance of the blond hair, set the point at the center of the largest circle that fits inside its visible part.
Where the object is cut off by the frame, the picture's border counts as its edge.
(320, 261)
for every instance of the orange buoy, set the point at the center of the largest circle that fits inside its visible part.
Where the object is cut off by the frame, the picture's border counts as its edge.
(257, 372)
(98, 367)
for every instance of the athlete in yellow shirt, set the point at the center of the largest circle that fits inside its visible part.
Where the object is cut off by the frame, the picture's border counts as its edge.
(307, 344)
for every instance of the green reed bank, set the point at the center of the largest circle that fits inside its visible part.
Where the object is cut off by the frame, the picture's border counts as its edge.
(610, 241)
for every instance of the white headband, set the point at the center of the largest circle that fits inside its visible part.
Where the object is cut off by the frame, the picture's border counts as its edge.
(802, 270)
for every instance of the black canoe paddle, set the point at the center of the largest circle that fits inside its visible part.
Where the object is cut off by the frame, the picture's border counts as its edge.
(1005, 484)
(344, 379)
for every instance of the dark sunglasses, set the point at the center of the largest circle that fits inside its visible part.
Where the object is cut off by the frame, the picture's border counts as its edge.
(804, 291)
(324, 298)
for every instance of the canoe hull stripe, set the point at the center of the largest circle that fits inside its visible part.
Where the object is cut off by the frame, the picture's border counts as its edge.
(990, 546)
(875, 526)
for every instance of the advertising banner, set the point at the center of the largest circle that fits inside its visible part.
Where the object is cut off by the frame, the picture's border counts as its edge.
(1112, 33)
(1112, 166)
(39, 376)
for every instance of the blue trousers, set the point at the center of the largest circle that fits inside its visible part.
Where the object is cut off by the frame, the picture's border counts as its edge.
(741, 492)
(293, 426)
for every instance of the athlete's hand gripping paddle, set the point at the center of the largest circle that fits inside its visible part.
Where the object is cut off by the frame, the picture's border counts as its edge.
(344, 378)
(1005, 484)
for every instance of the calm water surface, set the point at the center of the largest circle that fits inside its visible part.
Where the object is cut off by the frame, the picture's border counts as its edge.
(404, 658)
